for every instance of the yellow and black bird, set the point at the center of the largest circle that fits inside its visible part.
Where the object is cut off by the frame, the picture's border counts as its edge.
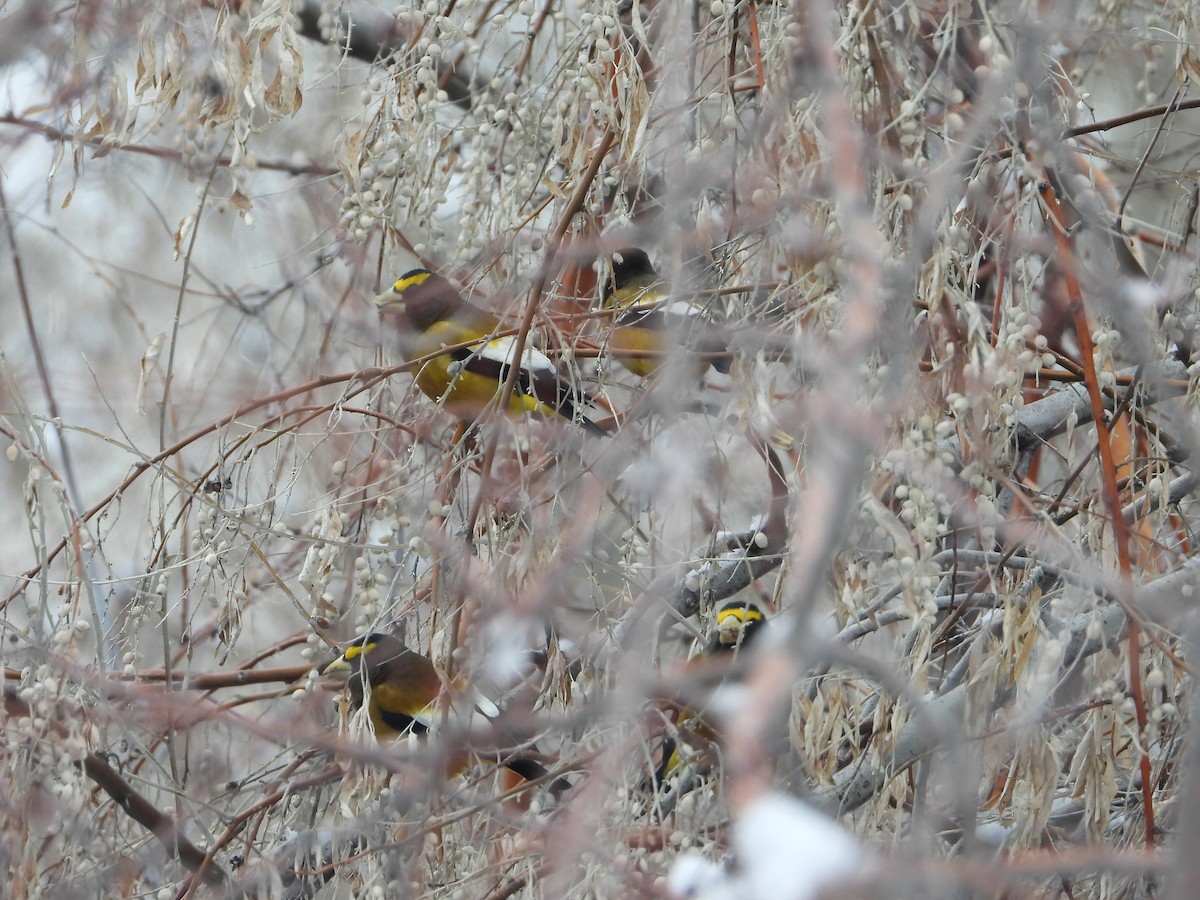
(464, 362)
(401, 689)
(404, 685)
(738, 625)
(652, 323)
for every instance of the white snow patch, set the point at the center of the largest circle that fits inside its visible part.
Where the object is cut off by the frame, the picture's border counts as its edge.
(784, 850)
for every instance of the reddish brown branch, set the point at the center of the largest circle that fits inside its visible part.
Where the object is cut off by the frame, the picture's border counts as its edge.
(1108, 471)
(217, 680)
(1149, 112)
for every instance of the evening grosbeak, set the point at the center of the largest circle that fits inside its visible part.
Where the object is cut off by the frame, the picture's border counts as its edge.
(651, 322)
(432, 316)
(738, 625)
(401, 688)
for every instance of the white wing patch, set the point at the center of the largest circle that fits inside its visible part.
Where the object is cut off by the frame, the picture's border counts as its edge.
(651, 302)
(501, 350)
(681, 308)
(461, 713)
(485, 706)
(425, 717)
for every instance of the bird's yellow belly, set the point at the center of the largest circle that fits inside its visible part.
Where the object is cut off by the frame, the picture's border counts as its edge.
(466, 394)
(631, 340)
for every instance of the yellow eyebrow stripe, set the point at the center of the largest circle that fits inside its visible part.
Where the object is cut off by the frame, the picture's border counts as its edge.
(412, 281)
(741, 613)
(354, 651)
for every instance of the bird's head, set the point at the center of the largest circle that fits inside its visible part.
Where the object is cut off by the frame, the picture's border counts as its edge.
(365, 658)
(631, 268)
(738, 622)
(420, 298)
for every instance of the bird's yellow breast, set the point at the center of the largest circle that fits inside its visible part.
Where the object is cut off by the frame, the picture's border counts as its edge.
(401, 699)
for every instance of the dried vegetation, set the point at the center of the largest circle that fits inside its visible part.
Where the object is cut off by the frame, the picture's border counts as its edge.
(954, 247)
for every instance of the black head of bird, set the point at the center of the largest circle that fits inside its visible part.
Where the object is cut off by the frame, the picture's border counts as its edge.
(738, 624)
(631, 268)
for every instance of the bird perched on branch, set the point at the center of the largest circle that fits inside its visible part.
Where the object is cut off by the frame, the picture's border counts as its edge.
(651, 327)
(739, 624)
(433, 317)
(652, 323)
(401, 687)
